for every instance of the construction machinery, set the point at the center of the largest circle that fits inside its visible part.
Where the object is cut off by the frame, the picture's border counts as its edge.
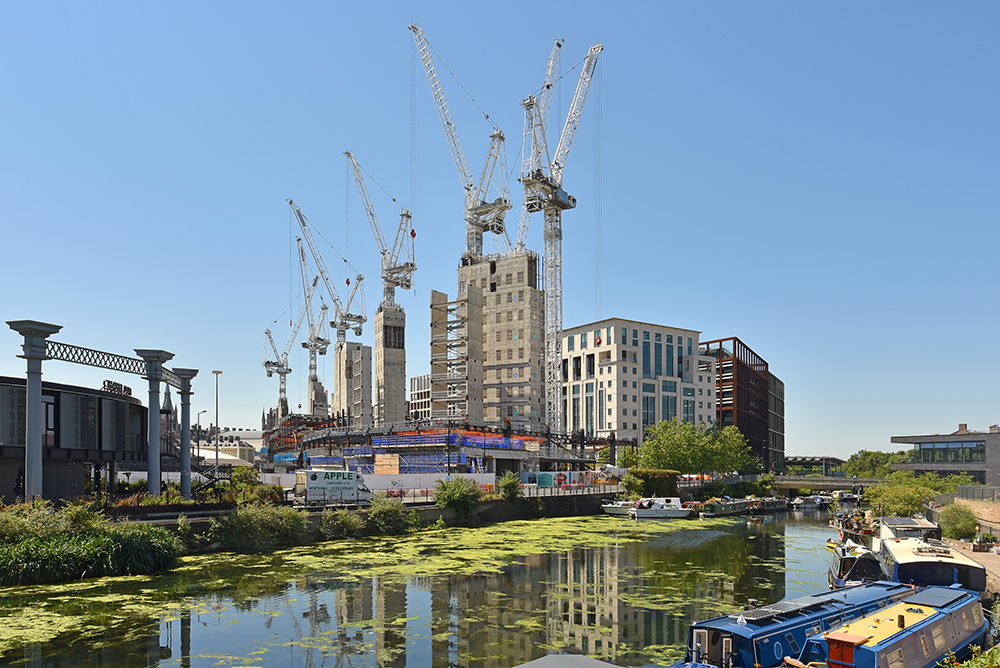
(343, 319)
(482, 214)
(279, 365)
(317, 342)
(395, 273)
(389, 359)
(543, 191)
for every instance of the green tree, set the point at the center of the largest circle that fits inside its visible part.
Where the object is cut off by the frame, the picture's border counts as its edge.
(901, 499)
(627, 457)
(460, 494)
(870, 464)
(691, 448)
(244, 476)
(958, 521)
(509, 486)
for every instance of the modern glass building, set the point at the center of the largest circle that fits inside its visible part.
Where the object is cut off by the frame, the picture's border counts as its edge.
(974, 452)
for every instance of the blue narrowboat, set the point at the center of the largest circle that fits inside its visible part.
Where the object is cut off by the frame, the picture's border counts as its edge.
(762, 637)
(917, 632)
(929, 563)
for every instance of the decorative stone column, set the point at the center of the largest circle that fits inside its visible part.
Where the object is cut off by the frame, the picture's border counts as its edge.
(186, 375)
(154, 360)
(35, 333)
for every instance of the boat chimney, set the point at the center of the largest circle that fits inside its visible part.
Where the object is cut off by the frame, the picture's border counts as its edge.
(752, 602)
(900, 622)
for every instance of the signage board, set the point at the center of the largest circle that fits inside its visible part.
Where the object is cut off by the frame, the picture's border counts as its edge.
(332, 481)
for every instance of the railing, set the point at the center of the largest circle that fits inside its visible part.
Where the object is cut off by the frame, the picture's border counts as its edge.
(979, 492)
(426, 495)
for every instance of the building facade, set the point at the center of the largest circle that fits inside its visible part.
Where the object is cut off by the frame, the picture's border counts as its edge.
(749, 400)
(85, 432)
(420, 397)
(974, 452)
(624, 376)
(390, 366)
(513, 337)
(352, 393)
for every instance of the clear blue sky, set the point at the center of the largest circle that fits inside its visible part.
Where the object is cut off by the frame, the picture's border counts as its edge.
(819, 179)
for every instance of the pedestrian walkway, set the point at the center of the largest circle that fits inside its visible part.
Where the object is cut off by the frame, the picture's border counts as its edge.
(989, 560)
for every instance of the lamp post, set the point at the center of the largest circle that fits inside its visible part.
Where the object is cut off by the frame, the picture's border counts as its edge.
(198, 437)
(217, 429)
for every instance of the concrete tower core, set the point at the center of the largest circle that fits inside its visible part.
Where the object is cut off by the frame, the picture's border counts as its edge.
(513, 337)
(390, 367)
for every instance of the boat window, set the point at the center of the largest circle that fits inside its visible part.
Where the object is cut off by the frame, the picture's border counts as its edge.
(727, 652)
(972, 578)
(965, 620)
(977, 614)
(700, 645)
(895, 659)
(939, 640)
(833, 622)
(794, 646)
(926, 573)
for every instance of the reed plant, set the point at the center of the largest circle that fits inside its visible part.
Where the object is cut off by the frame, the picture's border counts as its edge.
(40, 544)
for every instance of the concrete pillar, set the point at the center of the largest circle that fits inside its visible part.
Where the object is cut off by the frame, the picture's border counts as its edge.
(186, 375)
(154, 366)
(35, 333)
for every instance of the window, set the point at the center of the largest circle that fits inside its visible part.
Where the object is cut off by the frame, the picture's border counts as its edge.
(648, 411)
(688, 409)
(645, 336)
(657, 359)
(569, 343)
(669, 385)
(624, 336)
(669, 405)
(688, 391)
(624, 383)
(649, 387)
(657, 336)
(699, 391)
(646, 368)
(689, 345)
(634, 385)
(668, 359)
(597, 335)
(635, 399)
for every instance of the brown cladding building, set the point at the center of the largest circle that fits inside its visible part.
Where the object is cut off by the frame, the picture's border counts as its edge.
(747, 398)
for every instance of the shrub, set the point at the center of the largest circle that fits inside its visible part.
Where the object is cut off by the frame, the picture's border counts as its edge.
(651, 482)
(387, 516)
(460, 494)
(126, 549)
(341, 524)
(256, 528)
(958, 521)
(509, 486)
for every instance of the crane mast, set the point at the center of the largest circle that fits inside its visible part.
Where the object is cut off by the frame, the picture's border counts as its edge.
(317, 342)
(482, 215)
(279, 365)
(395, 273)
(343, 319)
(543, 192)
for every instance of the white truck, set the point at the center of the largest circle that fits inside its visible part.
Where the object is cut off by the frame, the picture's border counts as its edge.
(330, 487)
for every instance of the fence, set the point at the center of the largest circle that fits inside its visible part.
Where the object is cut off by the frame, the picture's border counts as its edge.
(426, 495)
(979, 492)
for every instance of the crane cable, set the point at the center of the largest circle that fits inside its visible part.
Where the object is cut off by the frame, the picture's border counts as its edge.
(464, 90)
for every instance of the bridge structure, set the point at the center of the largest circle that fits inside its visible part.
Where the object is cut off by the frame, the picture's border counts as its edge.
(826, 483)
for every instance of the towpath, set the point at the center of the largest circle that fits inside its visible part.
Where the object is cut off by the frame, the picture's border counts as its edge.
(989, 560)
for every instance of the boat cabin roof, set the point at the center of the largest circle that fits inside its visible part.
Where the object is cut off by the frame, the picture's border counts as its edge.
(911, 550)
(880, 626)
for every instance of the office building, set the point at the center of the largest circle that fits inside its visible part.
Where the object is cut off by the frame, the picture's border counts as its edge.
(624, 376)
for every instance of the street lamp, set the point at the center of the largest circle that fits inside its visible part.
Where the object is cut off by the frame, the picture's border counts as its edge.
(217, 374)
(198, 432)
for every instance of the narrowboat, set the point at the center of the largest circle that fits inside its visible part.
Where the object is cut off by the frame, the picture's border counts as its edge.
(929, 562)
(918, 632)
(667, 508)
(770, 504)
(722, 507)
(853, 564)
(812, 502)
(762, 637)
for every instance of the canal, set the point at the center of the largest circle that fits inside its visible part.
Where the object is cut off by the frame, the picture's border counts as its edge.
(495, 596)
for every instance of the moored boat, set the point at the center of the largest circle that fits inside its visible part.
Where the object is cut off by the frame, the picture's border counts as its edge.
(918, 632)
(617, 507)
(720, 507)
(769, 504)
(929, 562)
(662, 508)
(853, 564)
(812, 502)
(762, 637)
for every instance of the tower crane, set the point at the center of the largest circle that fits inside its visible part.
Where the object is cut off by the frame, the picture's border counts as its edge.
(395, 273)
(481, 214)
(543, 191)
(279, 365)
(343, 319)
(317, 342)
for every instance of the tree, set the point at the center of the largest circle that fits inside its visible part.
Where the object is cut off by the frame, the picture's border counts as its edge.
(461, 494)
(870, 464)
(690, 448)
(244, 476)
(898, 499)
(958, 521)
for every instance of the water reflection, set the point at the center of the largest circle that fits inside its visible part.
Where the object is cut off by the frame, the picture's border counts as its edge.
(627, 602)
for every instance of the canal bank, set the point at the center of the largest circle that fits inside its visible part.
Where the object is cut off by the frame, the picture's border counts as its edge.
(989, 561)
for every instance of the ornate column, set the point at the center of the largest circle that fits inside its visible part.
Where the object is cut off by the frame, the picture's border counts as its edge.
(186, 376)
(35, 333)
(154, 360)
